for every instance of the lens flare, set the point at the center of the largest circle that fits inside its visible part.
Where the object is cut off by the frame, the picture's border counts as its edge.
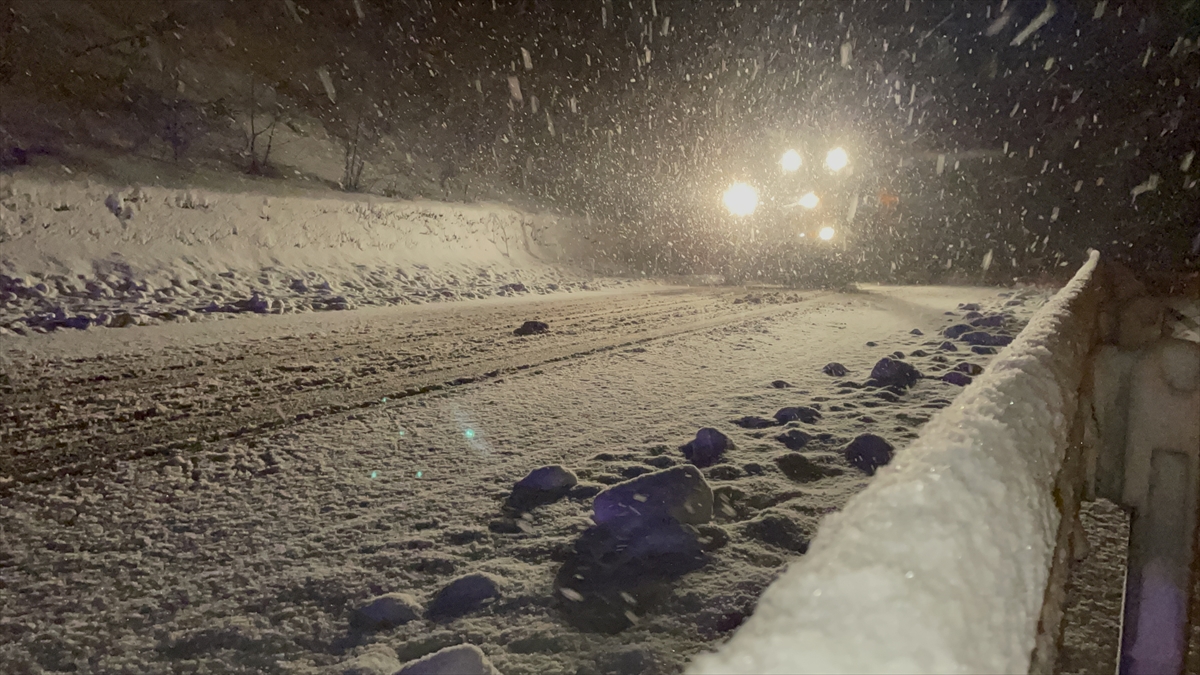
(810, 200)
(826, 233)
(790, 161)
(741, 199)
(837, 159)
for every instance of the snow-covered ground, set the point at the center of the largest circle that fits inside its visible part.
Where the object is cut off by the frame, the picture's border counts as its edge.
(261, 551)
(78, 253)
(942, 564)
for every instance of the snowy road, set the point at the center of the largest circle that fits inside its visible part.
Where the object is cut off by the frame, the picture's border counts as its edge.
(303, 493)
(72, 399)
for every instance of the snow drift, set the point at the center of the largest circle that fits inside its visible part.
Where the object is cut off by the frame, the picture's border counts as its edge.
(941, 565)
(77, 253)
(72, 226)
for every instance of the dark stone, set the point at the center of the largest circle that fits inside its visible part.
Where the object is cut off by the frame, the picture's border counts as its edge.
(754, 469)
(634, 471)
(754, 422)
(613, 571)
(76, 322)
(707, 448)
(661, 462)
(679, 493)
(712, 536)
(386, 611)
(781, 384)
(800, 413)
(992, 321)
(948, 347)
(504, 526)
(461, 659)
(956, 330)
(916, 331)
(337, 303)
(969, 307)
(892, 372)
(532, 328)
(969, 368)
(984, 339)
(835, 369)
(872, 344)
(957, 378)
(983, 351)
(938, 358)
(898, 355)
(868, 452)
(725, 472)
(920, 352)
(777, 529)
(462, 596)
(542, 486)
(793, 439)
(255, 303)
(971, 315)
(849, 384)
(800, 468)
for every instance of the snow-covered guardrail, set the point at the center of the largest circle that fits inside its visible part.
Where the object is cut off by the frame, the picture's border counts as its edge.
(952, 559)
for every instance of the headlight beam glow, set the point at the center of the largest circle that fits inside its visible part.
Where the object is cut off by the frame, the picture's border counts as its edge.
(741, 199)
(837, 159)
(790, 161)
(826, 233)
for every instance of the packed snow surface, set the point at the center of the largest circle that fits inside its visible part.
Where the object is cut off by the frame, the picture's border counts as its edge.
(349, 492)
(940, 565)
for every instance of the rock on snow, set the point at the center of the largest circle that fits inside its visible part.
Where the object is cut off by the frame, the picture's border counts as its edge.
(868, 452)
(707, 448)
(464, 595)
(457, 660)
(386, 611)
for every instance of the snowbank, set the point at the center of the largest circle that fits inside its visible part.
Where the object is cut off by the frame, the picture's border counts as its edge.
(941, 565)
(68, 225)
(80, 253)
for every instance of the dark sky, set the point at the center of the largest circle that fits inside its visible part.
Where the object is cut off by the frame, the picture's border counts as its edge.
(638, 114)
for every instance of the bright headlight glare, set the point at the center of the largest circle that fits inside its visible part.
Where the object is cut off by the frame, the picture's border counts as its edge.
(810, 200)
(790, 161)
(741, 199)
(837, 159)
(826, 233)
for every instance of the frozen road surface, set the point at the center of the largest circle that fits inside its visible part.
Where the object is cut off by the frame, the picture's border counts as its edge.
(221, 497)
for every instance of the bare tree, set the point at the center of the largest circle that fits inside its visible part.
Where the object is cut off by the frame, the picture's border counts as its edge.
(355, 143)
(255, 131)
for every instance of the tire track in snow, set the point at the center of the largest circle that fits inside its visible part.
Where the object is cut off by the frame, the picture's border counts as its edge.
(68, 414)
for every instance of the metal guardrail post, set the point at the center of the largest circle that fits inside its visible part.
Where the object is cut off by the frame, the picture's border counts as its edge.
(1157, 588)
(1162, 478)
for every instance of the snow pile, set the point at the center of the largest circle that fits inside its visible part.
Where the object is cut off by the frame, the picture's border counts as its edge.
(940, 565)
(77, 254)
